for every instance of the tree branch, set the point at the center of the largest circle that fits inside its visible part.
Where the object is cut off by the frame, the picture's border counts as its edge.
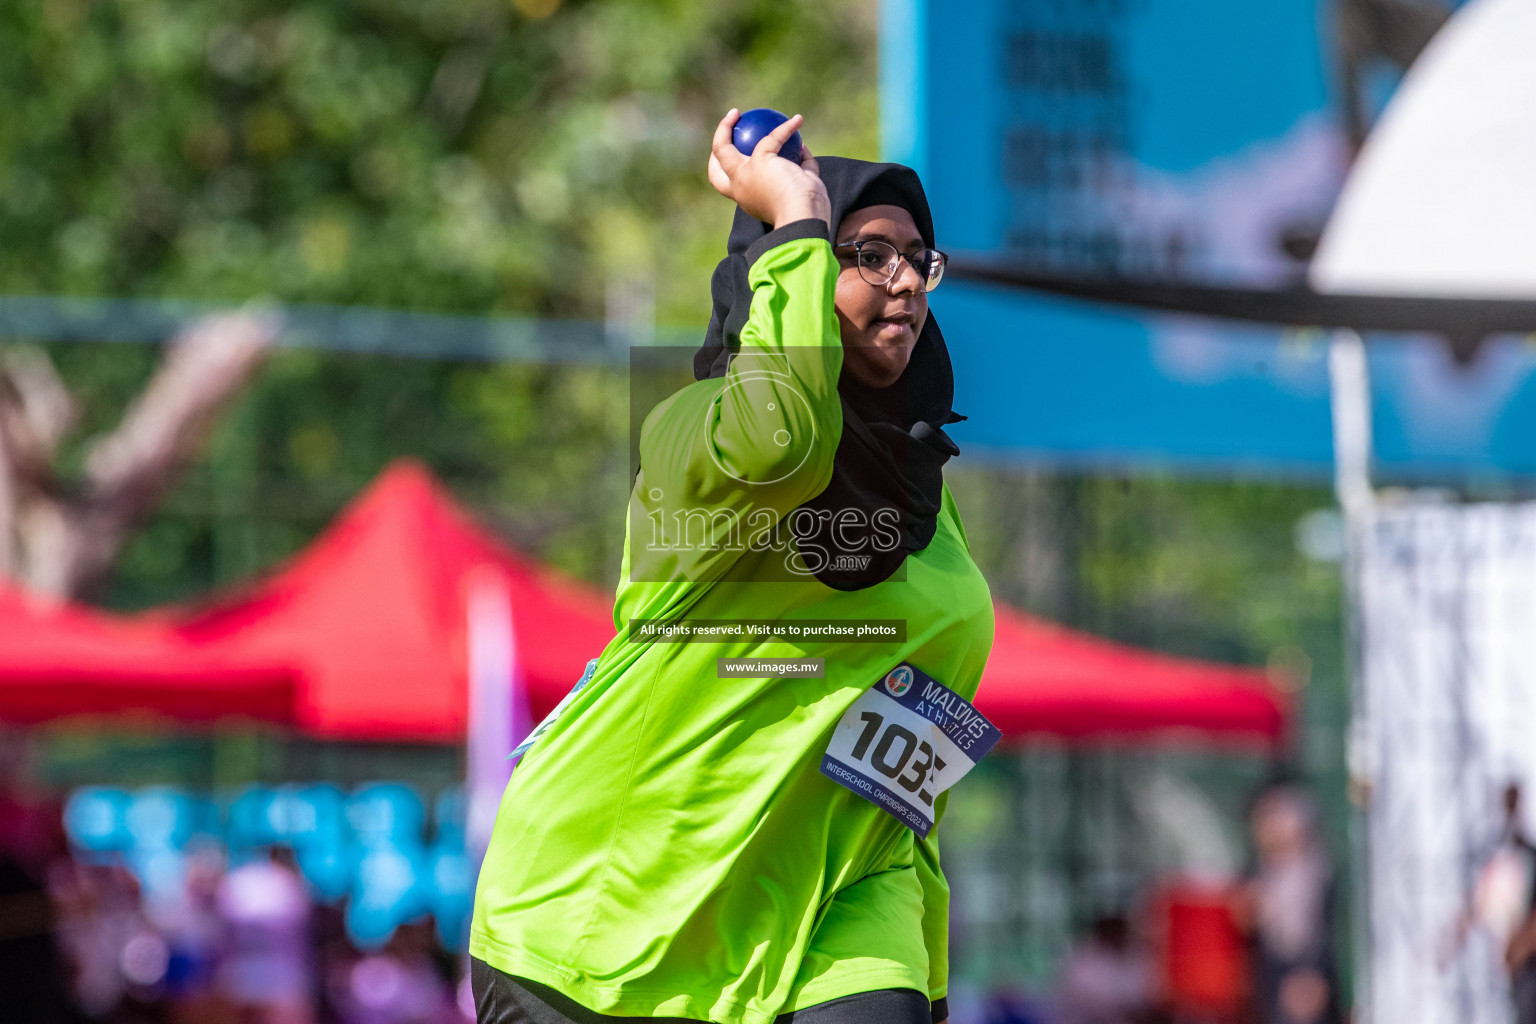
(129, 470)
(203, 368)
(8, 503)
(36, 411)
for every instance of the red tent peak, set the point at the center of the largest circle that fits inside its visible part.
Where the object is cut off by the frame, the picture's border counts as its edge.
(404, 532)
(373, 614)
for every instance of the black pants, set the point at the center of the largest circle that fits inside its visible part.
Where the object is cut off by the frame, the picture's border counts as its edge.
(1522, 990)
(502, 999)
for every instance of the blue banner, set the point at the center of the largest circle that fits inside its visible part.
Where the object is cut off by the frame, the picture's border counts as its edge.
(1196, 141)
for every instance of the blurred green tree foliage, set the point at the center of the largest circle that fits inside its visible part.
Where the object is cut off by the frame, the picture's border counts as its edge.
(464, 155)
(471, 156)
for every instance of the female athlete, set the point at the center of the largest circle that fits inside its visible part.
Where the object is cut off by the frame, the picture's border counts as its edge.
(698, 836)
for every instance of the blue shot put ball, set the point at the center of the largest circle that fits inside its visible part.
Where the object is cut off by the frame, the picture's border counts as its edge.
(752, 125)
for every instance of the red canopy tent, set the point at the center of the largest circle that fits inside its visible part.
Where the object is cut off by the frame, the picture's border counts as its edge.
(363, 636)
(373, 617)
(57, 661)
(1043, 679)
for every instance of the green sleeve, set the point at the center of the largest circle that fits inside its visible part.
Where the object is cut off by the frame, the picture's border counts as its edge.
(757, 443)
(925, 858)
(948, 501)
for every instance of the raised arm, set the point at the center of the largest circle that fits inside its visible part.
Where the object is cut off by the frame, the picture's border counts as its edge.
(739, 452)
(775, 419)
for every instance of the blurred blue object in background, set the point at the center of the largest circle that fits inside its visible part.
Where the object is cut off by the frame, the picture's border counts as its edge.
(161, 872)
(450, 809)
(451, 885)
(250, 819)
(387, 891)
(384, 811)
(328, 867)
(367, 847)
(301, 815)
(451, 873)
(160, 818)
(329, 806)
(95, 819)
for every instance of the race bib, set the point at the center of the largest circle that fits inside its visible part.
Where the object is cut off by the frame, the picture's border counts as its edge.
(908, 739)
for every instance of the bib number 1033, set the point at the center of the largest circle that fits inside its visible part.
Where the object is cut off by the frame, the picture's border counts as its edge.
(904, 741)
(898, 754)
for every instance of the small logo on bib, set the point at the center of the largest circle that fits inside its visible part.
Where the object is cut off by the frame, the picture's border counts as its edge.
(899, 681)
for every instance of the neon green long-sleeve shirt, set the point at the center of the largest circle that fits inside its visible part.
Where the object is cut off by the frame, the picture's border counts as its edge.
(669, 846)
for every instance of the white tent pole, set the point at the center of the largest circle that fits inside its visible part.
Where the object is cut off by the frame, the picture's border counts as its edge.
(1350, 400)
(493, 684)
(1350, 393)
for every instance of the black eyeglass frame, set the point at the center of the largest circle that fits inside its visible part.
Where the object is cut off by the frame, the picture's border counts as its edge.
(857, 245)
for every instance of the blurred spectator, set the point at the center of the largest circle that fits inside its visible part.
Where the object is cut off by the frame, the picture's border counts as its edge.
(33, 982)
(1202, 952)
(1503, 904)
(99, 916)
(194, 936)
(1013, 1005)
(401, 984)
(966, 1003)
(1286, 907)
(207, 945)
(267, 971)
(1108, 978)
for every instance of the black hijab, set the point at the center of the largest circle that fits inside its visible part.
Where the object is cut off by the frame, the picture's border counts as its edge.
(893, 447)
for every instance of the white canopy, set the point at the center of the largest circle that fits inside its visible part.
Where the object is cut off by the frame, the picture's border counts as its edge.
(1442, 201)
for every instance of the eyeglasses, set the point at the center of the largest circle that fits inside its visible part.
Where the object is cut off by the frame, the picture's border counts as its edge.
(879, 261)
